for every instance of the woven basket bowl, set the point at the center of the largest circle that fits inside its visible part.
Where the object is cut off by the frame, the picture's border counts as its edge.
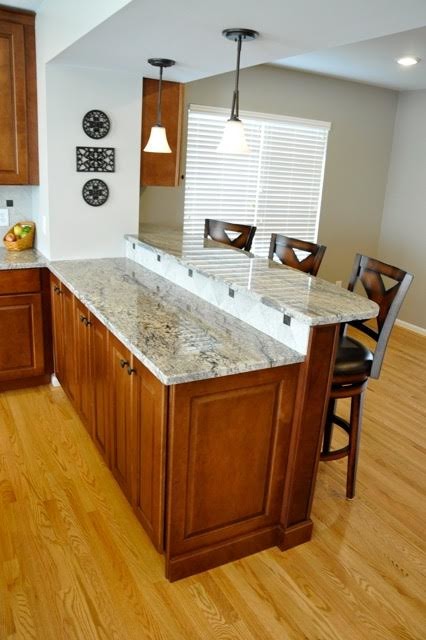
(22, 243)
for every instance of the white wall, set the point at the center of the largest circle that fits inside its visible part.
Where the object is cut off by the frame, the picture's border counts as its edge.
(403, 231)
(59, 23)
(78, 230)
(360, 141)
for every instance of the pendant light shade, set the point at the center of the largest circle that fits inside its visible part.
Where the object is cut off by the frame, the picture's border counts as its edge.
(157, 142)
(233, 139)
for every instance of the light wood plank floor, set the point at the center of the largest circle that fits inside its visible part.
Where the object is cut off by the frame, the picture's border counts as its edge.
(75, 564)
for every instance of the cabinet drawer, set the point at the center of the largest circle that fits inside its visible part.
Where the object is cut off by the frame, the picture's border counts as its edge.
(14, 281)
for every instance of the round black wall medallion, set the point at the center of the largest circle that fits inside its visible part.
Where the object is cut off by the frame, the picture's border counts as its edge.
(96, 124)
(95, 192)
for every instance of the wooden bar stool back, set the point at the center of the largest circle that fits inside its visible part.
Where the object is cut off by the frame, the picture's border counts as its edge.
(284, 248)
(217, 230)
(355, 363)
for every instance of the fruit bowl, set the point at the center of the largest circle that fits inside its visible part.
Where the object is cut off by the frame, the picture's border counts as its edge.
(20, 236)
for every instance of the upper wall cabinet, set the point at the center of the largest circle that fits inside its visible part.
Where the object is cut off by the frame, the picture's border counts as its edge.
(161, 169)
(18, 98)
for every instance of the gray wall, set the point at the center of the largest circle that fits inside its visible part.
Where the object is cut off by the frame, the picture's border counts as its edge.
(403, 232)
(359, 148)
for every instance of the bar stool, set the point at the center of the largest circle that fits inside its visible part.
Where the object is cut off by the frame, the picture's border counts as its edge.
(283, 247)
(355, 363)
(217, 230)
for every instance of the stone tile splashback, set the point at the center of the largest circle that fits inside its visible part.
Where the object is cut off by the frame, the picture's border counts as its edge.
(22, 197)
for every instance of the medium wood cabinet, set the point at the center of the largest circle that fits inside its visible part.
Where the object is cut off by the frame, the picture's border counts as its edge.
(101, 431)
(69, 337)
(80, 355)
(138, 429)
(148, 494)
(122, 405)
(25, 356)
(124, 408)
(21, 342)
(65, 334)
(18, 98)
(214, 469)
(57, 323)
(162, 169)
(83, 364)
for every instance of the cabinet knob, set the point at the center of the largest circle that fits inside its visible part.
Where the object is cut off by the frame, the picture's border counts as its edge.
(124, 363)
(57, 290)
(82, 318)
(88, 322)
(131, 371)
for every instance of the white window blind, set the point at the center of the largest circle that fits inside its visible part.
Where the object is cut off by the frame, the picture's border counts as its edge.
(277, 187)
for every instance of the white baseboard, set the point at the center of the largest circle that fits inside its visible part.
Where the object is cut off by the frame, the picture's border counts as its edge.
(411, 327)
(54, 381)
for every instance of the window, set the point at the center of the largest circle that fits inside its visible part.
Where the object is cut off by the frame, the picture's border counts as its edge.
(277, 186)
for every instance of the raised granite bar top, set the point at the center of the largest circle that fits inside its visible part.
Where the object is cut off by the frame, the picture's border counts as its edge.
(27, 259)
(310, 300)
(175, 334)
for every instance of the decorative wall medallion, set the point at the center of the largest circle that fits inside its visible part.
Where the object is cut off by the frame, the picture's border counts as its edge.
(92, 159)
(96, 124)
(95, 192)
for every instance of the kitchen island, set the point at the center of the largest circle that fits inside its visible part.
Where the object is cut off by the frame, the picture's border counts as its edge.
(211, 426)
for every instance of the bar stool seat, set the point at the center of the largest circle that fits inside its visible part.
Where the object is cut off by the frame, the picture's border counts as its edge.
(352, 358)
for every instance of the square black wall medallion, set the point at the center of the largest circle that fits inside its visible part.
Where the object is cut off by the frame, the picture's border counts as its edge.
(95, 159)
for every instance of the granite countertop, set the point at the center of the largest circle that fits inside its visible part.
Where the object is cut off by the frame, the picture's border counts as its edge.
(27, 259)
(310, 300)
(175, 334)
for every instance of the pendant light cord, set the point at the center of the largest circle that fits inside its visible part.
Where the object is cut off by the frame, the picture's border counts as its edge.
(235, 110)
(159, 98)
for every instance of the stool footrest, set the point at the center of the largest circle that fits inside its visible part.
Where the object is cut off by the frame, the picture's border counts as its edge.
(336, 454)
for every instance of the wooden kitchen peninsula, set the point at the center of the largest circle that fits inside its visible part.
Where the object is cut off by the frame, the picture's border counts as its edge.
(211, 427)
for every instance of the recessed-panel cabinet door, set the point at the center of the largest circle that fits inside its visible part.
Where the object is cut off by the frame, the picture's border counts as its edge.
(122, 413)
(101, 432)
(18, 98)
(21, 336)
(13, 118)
(82, 329)
(57, 326)
(69, 374)
(150, 452)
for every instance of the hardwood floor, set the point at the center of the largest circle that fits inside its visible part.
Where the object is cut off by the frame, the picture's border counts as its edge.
(75, 563)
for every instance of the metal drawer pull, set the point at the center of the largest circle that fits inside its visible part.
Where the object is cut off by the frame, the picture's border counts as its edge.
(82, 318)
(124, 363)
(130, 371)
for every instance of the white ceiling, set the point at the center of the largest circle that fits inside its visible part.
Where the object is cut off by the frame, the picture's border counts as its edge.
(371, 61)
(190, 32)
(33, 5)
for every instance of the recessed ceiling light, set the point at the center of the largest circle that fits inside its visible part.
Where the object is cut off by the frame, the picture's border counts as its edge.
(408, 61)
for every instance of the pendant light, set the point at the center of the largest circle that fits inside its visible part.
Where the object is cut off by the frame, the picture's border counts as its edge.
(157, 142)
(233, 139)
